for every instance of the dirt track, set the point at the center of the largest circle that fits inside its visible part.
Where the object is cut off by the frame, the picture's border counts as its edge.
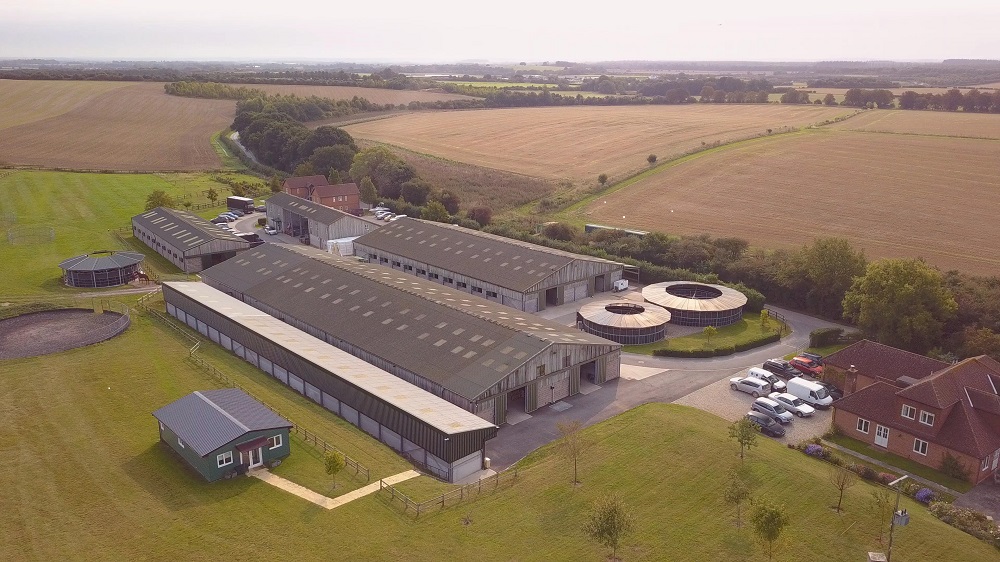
(52, 331)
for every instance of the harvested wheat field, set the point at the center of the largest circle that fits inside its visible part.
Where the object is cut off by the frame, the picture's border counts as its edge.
(374, 95)
(893, 195)
(910, 122)
(580, 143)
(110, 126)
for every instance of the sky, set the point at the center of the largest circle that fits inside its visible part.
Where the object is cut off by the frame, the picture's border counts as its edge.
(510, 31)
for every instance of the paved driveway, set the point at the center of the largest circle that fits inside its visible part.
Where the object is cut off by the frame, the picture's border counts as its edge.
(644, 379)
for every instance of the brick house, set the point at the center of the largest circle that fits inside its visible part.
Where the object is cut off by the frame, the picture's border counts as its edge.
(343, 196)
(955, 410)
(865, 362)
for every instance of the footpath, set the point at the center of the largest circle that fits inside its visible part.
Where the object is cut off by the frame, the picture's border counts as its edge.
(320, 499)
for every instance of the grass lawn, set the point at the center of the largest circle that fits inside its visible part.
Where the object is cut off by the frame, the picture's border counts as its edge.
(81, 208)
(84, 475)
(901, 463)
(745, 330)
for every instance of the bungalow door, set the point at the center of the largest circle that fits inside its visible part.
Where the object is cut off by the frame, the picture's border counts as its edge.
(882, 436)
(256, 457)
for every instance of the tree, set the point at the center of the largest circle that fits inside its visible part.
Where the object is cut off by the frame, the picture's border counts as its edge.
(829, 100)
(651, 159)
(842, 479)
(482, 215)
(558, 231)
(764, 316)
(387, 171)
(415, 191)
(901, 302)
(450, 200)
(304, 169)
(745, 433)
(335, 462)
(602, 179)
(333, 177)
(710, 331)
(275, 184)
(435, 211)
(609, 522)
(737, 492)
(159, 198)
(571, 444)
(880, 508)
(830, 265)
(328, 158)
(367, 189)
(768, 522)
(212, 195)
(980, 341)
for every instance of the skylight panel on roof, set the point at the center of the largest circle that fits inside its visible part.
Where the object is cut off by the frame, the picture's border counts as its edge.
(441, 325)
(506, 350)
(423, 335)
(354, 292)
(520, 355)
(338, 301)
(458, 331)
(369, 313)
(355, 307)
(439, 343)
(457, 350)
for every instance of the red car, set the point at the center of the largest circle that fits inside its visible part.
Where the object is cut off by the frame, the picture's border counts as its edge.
(807, 365)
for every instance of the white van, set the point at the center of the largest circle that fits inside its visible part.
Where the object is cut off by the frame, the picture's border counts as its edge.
(809, 392)
(777, 384)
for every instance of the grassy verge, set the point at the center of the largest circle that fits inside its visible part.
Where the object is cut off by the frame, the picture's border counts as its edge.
(823, 351)
(746, 330)
(901, 463)
(229, 160)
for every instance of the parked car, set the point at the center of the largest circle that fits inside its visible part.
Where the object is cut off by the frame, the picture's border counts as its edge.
(834, 392)
(397, 217)
(260, 208)
(793, 404)
(753, 387)
(810, 392)
(781, 368)
(219, 220)
(226, 218)
(807, 365)
(766, 424)
(776, 383)
(236, 212)
(378, 209)
(773, 409)
(387, 217)
(818, 359)
(270, 230)
(381, 214)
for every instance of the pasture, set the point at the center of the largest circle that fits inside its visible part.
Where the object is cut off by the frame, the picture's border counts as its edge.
(374, 95)
(109, 126)
(892, 195)
(579, 143)
(942, 123)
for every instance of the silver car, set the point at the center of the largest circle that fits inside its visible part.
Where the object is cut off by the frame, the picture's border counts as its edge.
(772, 409)
(753, 387)
(793, 404)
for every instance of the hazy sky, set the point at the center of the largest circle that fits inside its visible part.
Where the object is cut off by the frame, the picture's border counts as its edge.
(511, 30)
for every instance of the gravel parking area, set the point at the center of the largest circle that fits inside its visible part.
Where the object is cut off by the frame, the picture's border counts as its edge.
(717, 398)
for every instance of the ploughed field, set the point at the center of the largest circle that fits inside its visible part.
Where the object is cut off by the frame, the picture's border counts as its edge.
(580, 143)
(893, 195)
(108, 126)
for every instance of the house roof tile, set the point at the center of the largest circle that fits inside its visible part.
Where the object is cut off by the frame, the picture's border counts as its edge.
(884, 362)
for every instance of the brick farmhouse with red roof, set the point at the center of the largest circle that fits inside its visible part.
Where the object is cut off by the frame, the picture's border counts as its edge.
(920, 408)
(343, 196)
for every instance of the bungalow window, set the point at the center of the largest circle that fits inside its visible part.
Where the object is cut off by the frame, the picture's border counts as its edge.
(863, 425)
(920, 446)
(909, 412)
(274, 442)
(926, 418)
(224, 459)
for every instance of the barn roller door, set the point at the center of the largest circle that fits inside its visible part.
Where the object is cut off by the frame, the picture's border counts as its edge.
(463, 468)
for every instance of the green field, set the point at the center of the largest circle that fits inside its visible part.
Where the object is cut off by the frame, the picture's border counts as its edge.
(743, 331)
(80, 208)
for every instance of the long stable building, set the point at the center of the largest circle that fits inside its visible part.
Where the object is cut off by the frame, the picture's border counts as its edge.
(476, 354)
(186, 240)
(303, 218)
(517, 274)
(446, 439)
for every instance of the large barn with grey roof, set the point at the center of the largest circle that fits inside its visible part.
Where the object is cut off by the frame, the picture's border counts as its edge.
(185, 239)
(303, 218)
(477, 354)
(517, 274)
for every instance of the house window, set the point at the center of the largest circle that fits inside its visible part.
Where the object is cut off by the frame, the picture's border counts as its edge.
(462, 284)
(863, 425)
(920, 446)
(926, 418)
(986, 463)
(181, 443)
(909, 412)
(274, 442)
(224, 459)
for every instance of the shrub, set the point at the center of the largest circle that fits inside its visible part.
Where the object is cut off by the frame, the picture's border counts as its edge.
(953, 467)
(925, 495)
(972, 522)
(866, 472)
(910, 487)
(814, 450)
(885, 477)
(823, 337)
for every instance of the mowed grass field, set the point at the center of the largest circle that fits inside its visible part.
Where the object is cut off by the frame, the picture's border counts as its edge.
(80, 208)
(109, 126)
(892, 195)
(374, 95)
(940, 123)
(86, 477)
(579, 143)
